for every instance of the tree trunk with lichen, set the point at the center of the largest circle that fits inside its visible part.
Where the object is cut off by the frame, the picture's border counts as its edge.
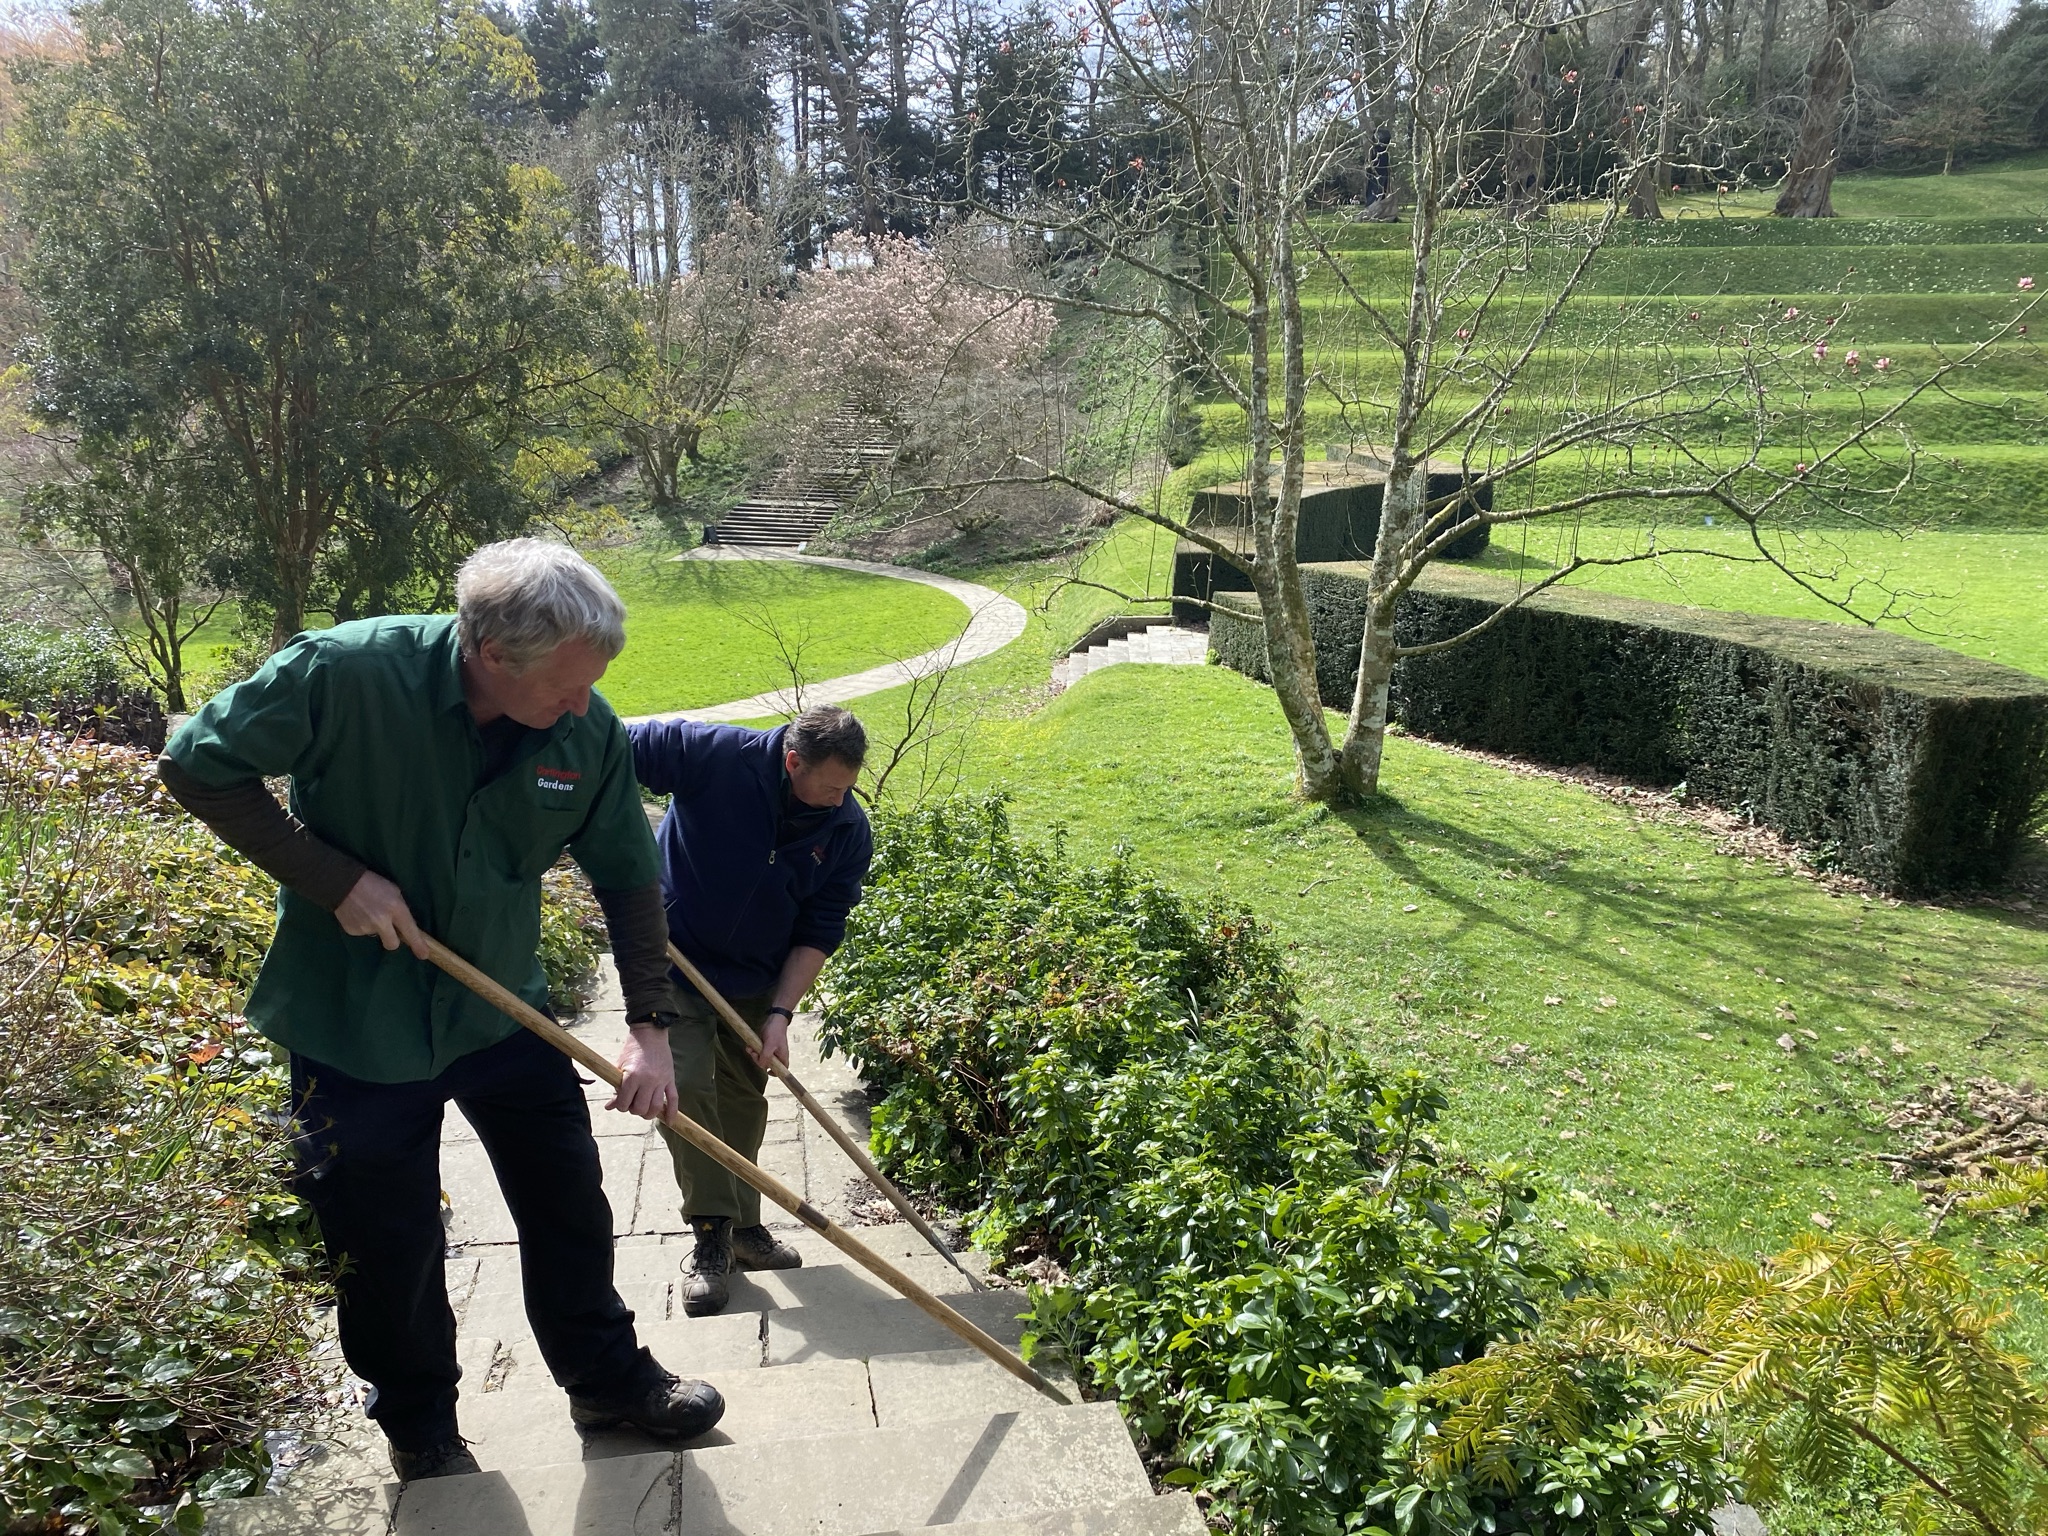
(1808, 192)
(1276, 514)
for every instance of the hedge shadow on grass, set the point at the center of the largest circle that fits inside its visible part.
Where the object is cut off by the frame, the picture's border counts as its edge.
(1913, 766)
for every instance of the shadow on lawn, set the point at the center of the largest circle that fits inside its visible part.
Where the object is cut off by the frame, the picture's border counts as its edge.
(1593, 899)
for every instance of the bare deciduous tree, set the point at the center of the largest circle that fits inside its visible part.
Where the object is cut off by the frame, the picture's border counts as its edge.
(1467, 359)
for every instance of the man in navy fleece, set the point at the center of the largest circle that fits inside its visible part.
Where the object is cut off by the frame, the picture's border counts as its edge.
(763, 852)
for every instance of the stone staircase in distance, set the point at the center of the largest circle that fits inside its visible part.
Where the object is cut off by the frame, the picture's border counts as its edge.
(1147, 641)
(810, 490)
(849, 1412)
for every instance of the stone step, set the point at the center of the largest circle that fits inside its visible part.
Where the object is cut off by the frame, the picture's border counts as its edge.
(1011, 1466)
(525, 1422)
(842, 1322)
(1158, 645)
(1174, 1515)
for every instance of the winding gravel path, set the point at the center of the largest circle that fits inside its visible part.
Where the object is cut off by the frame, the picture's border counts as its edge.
(994, 621)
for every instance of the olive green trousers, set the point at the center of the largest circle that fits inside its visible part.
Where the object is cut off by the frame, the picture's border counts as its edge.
(721, 1089)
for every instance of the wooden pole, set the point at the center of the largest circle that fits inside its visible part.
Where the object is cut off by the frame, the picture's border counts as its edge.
(819, 1113)
(517, 1008)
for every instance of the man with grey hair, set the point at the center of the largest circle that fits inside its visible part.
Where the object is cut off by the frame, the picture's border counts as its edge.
(439, 766)
(763, 852)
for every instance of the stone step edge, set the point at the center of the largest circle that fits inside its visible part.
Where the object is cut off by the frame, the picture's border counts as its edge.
(1170, 1514)
(361, 1511)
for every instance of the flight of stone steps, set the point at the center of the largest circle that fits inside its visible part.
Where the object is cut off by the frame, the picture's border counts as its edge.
(1158, 643)
(820, 478)
(849, 1412)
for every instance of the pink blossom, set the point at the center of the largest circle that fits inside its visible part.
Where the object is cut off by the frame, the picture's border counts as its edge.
(2026, 285)
(884, 325)
(1791, 314)
(1464, 335)
(1801, 469)
(1883, 365)
(1820, 351)
(1571, 77)
(1852, 359)
(1137, 162)
(1005, 47)
(1694, 315)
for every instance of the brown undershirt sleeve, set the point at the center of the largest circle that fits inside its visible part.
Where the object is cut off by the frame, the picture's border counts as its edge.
(639, 929)
(247, 817)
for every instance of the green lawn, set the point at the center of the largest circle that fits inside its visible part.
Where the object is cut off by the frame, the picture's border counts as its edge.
(1599, 992)
(1985, 594)
(2014, 188)
(707, 631)
(1525, 889)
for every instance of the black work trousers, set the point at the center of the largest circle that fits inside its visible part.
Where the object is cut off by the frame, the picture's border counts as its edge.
(368, 1160)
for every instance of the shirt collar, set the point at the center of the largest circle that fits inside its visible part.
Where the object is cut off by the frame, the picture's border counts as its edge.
(447, 674)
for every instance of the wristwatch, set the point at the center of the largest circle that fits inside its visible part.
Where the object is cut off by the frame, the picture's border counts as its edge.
(661, 1018)
(786, 1013)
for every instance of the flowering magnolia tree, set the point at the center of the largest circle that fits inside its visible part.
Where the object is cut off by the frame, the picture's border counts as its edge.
(884, 327)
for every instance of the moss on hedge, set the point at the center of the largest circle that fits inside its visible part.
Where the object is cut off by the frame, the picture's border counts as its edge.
(1914, 766)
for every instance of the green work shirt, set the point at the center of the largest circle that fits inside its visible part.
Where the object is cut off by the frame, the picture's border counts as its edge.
(369, 721)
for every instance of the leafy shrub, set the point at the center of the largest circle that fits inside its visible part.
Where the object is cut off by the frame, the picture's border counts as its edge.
(155, 1271)
(1262, 1246)
(76, 680)
(1843, 1343)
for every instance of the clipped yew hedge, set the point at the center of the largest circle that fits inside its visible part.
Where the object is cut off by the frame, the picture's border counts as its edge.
(1914, 766)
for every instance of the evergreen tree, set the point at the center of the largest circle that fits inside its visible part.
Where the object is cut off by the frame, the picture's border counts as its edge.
(562, 37)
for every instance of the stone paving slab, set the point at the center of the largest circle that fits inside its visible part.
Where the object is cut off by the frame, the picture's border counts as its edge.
(1174, 1515)
(343, 1512)
(620, 1496)
(514, 1429)
(932, 1386)
(688, 1346)
(1009, 1466)
(847, 1321)
(502, 1314)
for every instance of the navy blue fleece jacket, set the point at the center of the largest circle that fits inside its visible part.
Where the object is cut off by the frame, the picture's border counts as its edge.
(738, 903)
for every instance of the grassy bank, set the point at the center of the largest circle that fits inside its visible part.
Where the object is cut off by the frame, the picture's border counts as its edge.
(1599, 990)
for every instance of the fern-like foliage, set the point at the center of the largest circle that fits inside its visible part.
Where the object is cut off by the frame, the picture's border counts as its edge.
(1843, 1340)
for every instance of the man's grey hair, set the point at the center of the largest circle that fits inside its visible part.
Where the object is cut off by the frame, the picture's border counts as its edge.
(528, 596)
(826, 731)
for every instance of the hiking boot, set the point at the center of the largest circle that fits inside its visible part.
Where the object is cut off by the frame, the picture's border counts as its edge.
(705, 1287)
(666, 1405)
(450, 1458)
(755, 1247)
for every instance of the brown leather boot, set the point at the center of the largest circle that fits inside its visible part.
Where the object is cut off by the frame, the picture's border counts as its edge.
(755, 1247)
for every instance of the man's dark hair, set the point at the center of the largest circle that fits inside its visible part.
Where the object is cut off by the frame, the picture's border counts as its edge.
(825, 731)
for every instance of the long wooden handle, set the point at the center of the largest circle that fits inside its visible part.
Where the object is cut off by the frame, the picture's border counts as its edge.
(819, 1113)
(773, 1188)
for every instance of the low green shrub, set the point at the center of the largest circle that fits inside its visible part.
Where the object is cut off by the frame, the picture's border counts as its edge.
(1914, 766)
(76, 681)
(1256, 1245)
(156, 1273)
